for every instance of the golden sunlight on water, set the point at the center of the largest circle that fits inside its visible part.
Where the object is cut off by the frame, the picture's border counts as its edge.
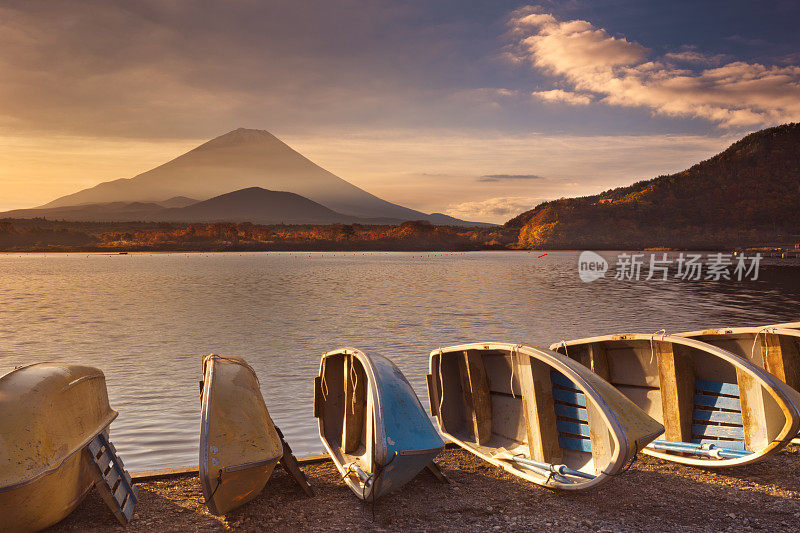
(147, 320)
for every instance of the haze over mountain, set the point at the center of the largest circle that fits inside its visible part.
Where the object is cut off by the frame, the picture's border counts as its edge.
(748, 195)
(238, 160)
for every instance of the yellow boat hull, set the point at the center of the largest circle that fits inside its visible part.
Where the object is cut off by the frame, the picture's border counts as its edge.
(239, 445)
(48, 414)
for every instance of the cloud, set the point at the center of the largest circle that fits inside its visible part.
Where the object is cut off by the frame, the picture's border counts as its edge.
(509, 177)
(557, 95)
(493, 208)
(625, 73)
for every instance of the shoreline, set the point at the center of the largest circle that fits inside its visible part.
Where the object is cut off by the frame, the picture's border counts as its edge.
(653, 495)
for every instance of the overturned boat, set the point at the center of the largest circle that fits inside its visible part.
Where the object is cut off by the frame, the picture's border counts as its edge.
(536, 413)
(371, 422)
(773, 348)
(50, 413)
(239, 444)
(717, 408)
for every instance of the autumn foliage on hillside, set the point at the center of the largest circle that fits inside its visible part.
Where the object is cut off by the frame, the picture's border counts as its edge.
(745, 196)
(45, 235)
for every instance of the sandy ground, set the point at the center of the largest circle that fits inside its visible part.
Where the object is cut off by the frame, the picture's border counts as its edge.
(654, 495)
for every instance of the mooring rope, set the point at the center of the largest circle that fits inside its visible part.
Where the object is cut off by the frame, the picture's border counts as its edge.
(324, 384)
(354, 378)
(652, 346)
(763, 330)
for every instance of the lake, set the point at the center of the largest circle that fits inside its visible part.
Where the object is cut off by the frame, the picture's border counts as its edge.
(147, 320)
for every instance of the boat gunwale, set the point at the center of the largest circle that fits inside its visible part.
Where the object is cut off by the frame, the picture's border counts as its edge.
(548, 357)
(773, 385)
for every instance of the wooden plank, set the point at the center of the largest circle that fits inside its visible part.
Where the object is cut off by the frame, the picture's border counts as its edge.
(729, 432)
(724, 417)
(476, 395)
(560, 379)
(782, 358)
(718, 387)
(539, 409)
(755, 418)
(677, 379)
(581, 445)
(572, 397)
(433, 395)
(354, 404)
(576, 428)
(599, 434)
(599, 361)
(437, 472)
(571, 411)
(719, 402)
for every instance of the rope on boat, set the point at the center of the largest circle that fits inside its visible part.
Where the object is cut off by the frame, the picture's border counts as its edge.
(211, 497)
(652, 346)
(763, 330)
(354, 378)
(324, 384)
(564, 345)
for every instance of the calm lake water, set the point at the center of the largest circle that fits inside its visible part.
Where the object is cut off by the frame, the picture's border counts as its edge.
(148, 319)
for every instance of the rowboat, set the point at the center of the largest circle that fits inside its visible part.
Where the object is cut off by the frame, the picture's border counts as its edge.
(717, 408)
(239, 445)
(371, 422)
(535, 413)
(775, 349)
(49, 413)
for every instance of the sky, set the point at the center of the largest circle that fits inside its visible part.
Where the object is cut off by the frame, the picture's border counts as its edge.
(478, 109)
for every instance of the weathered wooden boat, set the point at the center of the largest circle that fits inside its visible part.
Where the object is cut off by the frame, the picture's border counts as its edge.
(49, 414)
(717, 408)
(535, 413)
(371, 422)
(239, 444)
(773, 348)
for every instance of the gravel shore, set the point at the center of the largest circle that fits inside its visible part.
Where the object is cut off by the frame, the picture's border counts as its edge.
(654, 495)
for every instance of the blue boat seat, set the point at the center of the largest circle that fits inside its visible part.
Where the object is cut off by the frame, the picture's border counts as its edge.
(717, 415)
(572, 420)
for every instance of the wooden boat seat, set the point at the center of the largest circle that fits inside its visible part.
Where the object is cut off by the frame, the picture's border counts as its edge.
(572, 418)
(717, 415)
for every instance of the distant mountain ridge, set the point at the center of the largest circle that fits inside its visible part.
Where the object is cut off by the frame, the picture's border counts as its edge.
(252, 204)
(747, 195)
(241, 159)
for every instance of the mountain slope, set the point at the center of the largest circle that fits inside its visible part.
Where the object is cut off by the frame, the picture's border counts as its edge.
(101, 212)
(747, 195)
(237, 160)
(258, 206)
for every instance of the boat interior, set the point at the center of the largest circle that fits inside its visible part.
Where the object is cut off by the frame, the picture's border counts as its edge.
(346, 413)
(502, 404)
(776, 351)
(700, 398)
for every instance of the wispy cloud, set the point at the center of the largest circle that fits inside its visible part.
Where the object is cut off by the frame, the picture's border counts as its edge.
(509, 177)
(625, 73)
(558, 95)
(494, 209)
